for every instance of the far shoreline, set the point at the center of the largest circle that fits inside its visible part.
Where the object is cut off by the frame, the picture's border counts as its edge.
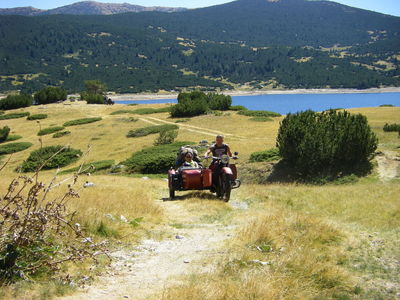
(158, 96)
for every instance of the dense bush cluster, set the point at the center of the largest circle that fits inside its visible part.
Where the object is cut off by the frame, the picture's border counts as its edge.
(198, 103)
(50, 130)
(258, 113)
(93, 98)
(391, 127)
(328, 144)
(82, 121)
(4, 132)
(14, 115)
(37, 117)
(154, 160)
(50, 157)
(266, 155)
(16, 101)
(151, 130)
(14, 147)
(50, 94)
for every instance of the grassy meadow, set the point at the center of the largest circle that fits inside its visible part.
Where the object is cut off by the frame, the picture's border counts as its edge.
(292, 241)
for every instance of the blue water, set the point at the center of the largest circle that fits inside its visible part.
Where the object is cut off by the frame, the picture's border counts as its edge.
(284, 104)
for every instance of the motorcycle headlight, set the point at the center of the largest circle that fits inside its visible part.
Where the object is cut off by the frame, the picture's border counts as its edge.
(225, 159)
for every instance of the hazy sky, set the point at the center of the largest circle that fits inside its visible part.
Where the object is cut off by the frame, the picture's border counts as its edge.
(385, 6)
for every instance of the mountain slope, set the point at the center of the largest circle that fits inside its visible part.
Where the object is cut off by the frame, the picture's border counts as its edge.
(257, 43)
(87, 8)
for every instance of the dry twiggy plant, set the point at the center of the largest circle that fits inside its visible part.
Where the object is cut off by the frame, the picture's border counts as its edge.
(37, 231)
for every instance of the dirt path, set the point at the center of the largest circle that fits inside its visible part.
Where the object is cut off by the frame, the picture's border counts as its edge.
(388, 165)
(147, 269)
(197, 129)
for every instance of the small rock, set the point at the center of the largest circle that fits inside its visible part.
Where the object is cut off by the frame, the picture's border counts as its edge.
(264, 263)
(186, 261)
(145, 178)
(88, 184)
(179, 237)
(126, 296)
(123, 219)
(110, 216)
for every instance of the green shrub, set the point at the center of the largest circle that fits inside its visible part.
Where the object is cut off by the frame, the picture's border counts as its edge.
(1, 112)
(91, 167)
(50, 157)
(61, 134)
(49, 130)
(198, 103)
(151, 130)
(37, 117)
(93, 98)
(261, 119)
(326, 144)
(166, 137)
(50, 94)
(16, 101)
(266, 155)
(182, 120)
(238, 107)
(391, 127)
(154, 160)
(82, 121)
(13, 137)
(4, 132)
(14, 115)
(386, 105)
(14, 147)
(258, 113)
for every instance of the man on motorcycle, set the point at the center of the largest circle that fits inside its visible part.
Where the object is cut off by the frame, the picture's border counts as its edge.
(219, 148)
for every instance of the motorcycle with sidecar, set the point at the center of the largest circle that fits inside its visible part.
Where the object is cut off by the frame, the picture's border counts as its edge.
(220, 177)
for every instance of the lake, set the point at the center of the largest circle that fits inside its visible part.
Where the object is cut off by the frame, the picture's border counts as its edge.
(290, 103)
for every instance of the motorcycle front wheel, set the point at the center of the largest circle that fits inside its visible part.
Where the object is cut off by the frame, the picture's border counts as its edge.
(226, 187)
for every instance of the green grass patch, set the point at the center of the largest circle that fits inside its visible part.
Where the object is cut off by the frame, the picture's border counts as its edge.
(154, 160)
(51, 157)
(266, 155)
(238, 107)
(82, 121)
(14, 115)
(92, 167)
(142, 111)
(258, 113)
(13, 137)
(61, 134)
(151, 130)
(386, 105)
(261, 119)
(37, 117)
(14, 147)
(50, 130)
(182, 120)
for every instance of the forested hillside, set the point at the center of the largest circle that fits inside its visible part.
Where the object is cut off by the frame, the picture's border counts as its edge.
(257, 43)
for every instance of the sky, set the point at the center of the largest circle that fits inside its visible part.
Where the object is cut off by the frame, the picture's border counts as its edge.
(391, 7)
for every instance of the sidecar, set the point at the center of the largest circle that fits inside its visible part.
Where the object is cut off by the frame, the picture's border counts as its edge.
(187, 178)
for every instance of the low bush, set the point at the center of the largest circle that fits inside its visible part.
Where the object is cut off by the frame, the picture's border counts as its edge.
(37, 117)
(327, 144)
(14, 115)
(50, 94)
(13, 137)
(154, 160)
(386, 105)
(4, 132)
(49, 130)
(91, 167)
(50, 157)
(391, 127)
(151, 130)
(261, 119)
(92, 98)
(166, 137)
(142, 111)
(182, 120)
(258, 113)
(238, 107)
(61, 134)
(82, 121)
(14, 147)
(1, 112)
(16, 101)
(266, 155)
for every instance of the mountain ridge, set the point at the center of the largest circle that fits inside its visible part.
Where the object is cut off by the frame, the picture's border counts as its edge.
(87, 8)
